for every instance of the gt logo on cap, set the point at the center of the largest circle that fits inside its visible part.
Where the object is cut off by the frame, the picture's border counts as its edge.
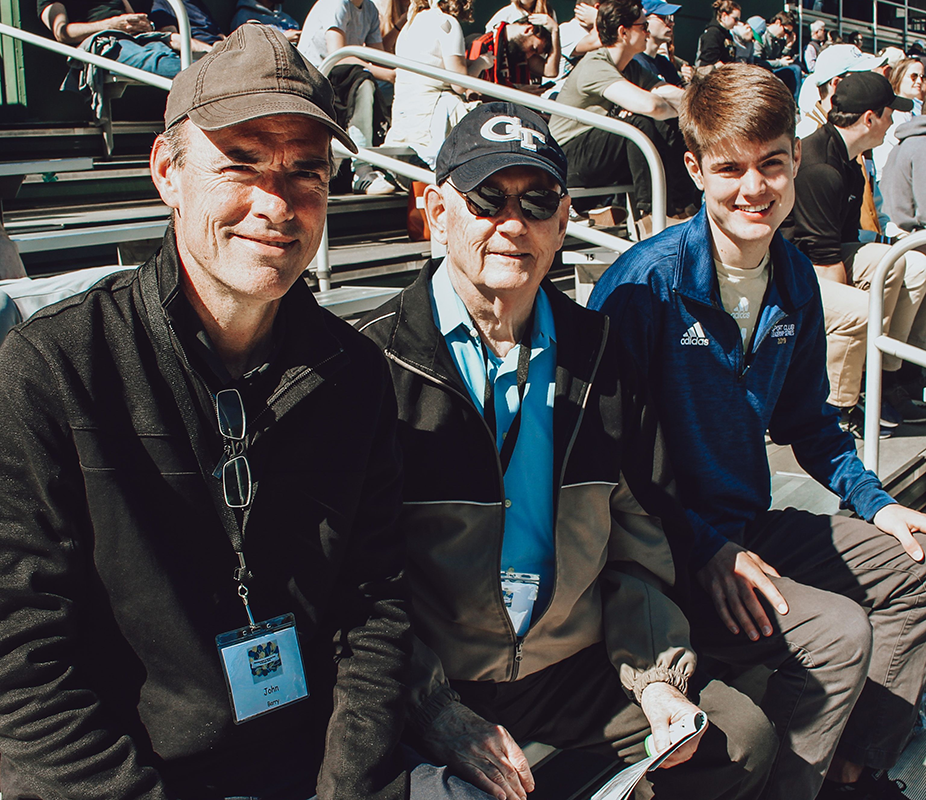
(511, 131)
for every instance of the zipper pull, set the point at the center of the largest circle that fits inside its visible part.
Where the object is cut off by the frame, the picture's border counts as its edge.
(519, 646)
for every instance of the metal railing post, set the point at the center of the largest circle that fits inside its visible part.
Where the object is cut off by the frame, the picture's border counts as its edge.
(82, 55)
(183, 28)
(878, 343)
(640, 139)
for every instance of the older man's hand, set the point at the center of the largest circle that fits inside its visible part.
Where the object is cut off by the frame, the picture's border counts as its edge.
(663, 704)
(481, 753)
(900, 522)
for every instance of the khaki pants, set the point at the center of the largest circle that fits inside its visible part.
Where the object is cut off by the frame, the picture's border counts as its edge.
(845, 311)
(850, 654)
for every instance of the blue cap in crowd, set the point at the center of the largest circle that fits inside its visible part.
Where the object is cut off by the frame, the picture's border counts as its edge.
(659, 8)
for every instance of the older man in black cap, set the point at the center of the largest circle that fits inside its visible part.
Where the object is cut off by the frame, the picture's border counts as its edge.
(199, 478)
(544, 542)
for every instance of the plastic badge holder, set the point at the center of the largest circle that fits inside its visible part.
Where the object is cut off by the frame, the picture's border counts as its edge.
(263, 667)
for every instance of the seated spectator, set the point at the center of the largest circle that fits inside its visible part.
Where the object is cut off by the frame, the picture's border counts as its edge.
(715, 45)
(540, 15)
(393, 15)
(815, 97)
(773, 42)
(518, 9)
(543, 536)
(609, 82)
(329, 26)
(271, 14)
(204, 30)
(814, 44)
(723, 319)
(903, 184)
(907, 80)
(660, 32)
(423, 109)
(514, 54)
(894, 56)
(744, 42)
(129, 37)
(824, 225)
(577, 37)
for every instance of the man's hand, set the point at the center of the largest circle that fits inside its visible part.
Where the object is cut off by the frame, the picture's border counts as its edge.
(481, 753)
(130, 23)
(292, 36)
(586, 14)
(663, 704)
(543, 21)
(900, 522)
(787, 61)
(732, 578)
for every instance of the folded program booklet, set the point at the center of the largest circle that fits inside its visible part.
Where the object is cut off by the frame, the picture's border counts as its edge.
(621, 786)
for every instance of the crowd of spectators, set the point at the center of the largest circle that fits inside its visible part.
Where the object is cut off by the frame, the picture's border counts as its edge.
(615, 58)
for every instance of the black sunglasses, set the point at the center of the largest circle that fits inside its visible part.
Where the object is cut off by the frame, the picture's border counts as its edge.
(539, 204)
(236, 472)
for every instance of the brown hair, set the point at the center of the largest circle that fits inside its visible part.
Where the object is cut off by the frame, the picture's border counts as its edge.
(735, 101)
(462, 10)
(725, 7)
(901, 68)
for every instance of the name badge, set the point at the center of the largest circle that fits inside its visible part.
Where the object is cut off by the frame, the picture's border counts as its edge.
(263, 667)
(519, 591)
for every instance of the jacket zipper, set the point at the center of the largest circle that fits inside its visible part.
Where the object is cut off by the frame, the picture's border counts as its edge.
(747, 357)
(498, 466)
(518, 640)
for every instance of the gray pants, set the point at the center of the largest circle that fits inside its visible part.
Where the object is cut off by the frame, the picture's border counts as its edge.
(852, 641)
(579, 703)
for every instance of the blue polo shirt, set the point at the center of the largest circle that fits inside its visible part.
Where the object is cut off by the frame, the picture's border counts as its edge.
(528, 537)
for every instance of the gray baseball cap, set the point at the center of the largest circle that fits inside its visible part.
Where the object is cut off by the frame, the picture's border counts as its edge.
(253, 73)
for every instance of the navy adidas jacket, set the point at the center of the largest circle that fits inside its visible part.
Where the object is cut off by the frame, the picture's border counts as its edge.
(716, 402)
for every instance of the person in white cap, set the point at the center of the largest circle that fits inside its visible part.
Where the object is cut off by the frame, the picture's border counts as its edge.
(836, 61)
(815, 44)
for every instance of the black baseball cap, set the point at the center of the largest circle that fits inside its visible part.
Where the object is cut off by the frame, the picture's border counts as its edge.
(253, 73)
(867, 91)
(494, 136)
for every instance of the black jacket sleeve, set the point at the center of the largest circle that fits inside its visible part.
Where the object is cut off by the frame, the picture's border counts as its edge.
(51, 723)
(362, 755)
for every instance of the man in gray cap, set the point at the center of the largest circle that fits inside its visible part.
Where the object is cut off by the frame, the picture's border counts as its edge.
(200, 576)
(546, 549)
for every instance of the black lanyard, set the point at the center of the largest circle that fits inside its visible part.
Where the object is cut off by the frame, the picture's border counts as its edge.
(488, 401)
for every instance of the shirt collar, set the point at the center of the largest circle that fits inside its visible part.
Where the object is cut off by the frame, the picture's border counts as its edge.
(450, 312)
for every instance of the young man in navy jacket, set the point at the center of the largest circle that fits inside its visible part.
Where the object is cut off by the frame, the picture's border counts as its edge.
(724, 317)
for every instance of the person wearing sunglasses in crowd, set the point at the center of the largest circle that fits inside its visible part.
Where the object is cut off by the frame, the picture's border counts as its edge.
(199, 479)
(535, 495)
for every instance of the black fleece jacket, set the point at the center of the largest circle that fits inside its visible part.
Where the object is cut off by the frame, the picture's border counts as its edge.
(116, 570)
(715, 45)
(828, 194)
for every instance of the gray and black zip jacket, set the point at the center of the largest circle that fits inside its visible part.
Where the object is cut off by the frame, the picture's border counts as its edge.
(619, 533)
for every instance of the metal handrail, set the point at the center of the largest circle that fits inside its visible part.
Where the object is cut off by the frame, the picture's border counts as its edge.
(597, 238)
(615, 126)
(149, 78)
(878, 343)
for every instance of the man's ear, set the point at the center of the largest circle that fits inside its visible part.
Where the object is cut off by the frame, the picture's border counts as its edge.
(165, 174)
(796, 158)
(694, 170)
(436, 211)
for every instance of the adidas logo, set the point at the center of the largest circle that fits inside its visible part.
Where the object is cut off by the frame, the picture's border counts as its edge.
(742, 310)
(695, 335)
